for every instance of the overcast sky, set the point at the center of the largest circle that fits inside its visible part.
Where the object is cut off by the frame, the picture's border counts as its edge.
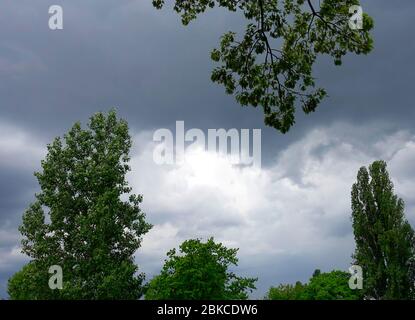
(288, 218)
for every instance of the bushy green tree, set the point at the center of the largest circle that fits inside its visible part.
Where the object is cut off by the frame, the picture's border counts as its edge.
(200, 271)
(384, 238)
(332, 285)
(271, 65)
(287, 292)
(79, 220)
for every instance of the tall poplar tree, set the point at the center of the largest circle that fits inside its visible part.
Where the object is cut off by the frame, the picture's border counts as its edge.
(384, 238)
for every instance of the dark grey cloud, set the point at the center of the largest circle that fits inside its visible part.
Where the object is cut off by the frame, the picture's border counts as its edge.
(12, 195)
(155, 70)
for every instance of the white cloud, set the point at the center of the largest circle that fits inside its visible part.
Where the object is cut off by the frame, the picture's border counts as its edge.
(19, 149)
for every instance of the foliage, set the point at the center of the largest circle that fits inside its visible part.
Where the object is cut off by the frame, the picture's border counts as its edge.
(271, 64)
(79, 221)
(384, 239)
(332, 285)
(24, 285)
(287, 292)
(200, 271)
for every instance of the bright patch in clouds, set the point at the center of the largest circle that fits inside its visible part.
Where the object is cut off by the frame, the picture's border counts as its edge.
(19, 149)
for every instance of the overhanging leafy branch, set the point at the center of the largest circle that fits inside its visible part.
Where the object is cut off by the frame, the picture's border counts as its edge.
(271, 65)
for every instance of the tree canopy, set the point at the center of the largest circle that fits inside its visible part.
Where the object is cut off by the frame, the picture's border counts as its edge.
(200, 271)
(271, 65)
(287, 292)
(385, 244)
(332, 285)
(79, 220)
